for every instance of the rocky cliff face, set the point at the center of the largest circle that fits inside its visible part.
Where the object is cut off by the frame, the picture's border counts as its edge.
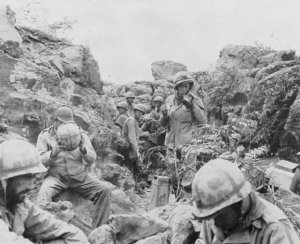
(40, 72)
(254, 83)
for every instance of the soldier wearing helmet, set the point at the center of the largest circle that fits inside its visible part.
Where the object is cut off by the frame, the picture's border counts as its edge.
(129, 99)
(19, 163)
(131, 133)
(232, 212)
(157, 102)
(182, 112)
(66, 150)
(122, 108)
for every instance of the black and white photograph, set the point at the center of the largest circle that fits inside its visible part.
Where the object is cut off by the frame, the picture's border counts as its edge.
(149, 122)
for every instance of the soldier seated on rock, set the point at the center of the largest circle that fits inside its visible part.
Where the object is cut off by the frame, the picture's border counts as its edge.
(20, 220)
(65, 149)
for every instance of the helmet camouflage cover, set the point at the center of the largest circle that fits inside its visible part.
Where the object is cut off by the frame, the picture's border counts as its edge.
(19, 157)
(218, 184)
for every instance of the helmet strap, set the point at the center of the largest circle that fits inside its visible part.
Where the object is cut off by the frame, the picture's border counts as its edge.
(4, 186)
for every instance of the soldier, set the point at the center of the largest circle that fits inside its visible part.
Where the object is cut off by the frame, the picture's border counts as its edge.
(129, 99)
(20, 220)
(66, 166)
(232, 212)
(182, 112)
(131, 133)
(122, 108)
(157, 102)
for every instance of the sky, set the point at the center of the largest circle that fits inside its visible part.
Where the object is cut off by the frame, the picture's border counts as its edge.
(126, 36)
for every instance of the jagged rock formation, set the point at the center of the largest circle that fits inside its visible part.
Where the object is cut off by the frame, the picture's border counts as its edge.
(254, 83)
(40, 72)
(166, 69)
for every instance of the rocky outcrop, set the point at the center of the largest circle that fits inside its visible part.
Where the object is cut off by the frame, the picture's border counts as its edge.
(290, 136)
(241, 57)
(256, 86)
(39, 73)
(279, 90)
(166, 69)
(270, 58)
(7, 30)
(119, 176)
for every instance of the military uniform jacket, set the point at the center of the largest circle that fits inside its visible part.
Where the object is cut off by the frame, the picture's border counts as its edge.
(36, 224)
(120, 120)
(131, 133)
(265, 224)
(181, 121)
(67, 163)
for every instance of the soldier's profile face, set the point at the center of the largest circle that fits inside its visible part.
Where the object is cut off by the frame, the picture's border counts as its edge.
(157, 103)
(130, 100)
(138, 114)
(18, 187)
(183, 88)
(227, 218)
(121, 110)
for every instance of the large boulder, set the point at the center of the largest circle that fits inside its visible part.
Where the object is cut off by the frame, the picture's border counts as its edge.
(77, 63)
(166, 69)
(279, 90)
(128, 228)
(181, 226)
(69, 61)
(285, 55)
(274, 67)
(242, 57)
(230, 83)
(118, 175)
(226, 89)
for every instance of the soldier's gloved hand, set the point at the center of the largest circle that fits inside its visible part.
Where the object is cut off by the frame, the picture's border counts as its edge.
(56, 149)
(188, 100)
